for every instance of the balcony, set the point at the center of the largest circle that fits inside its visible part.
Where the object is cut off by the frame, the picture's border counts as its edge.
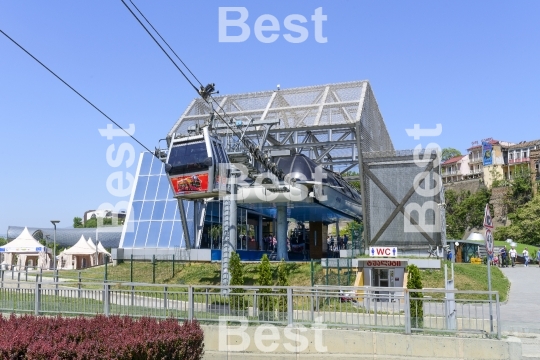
(475, 159)
(518, 161)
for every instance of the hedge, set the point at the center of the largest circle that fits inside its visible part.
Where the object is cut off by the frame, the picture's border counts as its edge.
(40, 338)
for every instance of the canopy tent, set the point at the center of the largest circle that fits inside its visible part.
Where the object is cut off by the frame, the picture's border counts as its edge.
(80, 255)
(29, 251)
(99, 252)
(102, 250)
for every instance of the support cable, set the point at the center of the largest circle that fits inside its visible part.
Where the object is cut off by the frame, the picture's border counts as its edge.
(76, 92)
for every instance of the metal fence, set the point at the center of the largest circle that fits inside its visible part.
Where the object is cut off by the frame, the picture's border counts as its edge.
(387, 309)
(334, 272)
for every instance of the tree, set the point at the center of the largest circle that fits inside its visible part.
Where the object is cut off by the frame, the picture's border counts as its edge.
(283, 280)
(525, 224)
(266, 302)
(448, 153)
(464, 210)
(415, 298)
(77, 222)
(3, 241)
(354, 183)
(520, 190)
(93, 222)
(236, 272)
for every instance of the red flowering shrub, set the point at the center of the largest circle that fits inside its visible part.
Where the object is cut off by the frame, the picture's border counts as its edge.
(44, 338)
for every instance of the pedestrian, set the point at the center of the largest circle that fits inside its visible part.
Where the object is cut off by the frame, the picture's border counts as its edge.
(503, 256)
(513, 256)
(538, 257)
(345, 241)
(526, 256)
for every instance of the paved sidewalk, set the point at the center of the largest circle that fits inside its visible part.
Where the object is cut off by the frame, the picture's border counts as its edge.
(520, 316)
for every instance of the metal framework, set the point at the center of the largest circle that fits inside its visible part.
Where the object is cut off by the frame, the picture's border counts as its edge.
(321, 122)
(399, 211)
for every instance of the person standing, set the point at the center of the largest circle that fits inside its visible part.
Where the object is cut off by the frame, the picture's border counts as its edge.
(513, 256)
(538, 257)
(503, 256)
(526, 256)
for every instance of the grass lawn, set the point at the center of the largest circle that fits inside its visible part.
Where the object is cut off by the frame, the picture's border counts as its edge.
(467, 276)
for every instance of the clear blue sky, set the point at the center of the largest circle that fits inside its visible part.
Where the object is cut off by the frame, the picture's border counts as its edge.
(472, 66)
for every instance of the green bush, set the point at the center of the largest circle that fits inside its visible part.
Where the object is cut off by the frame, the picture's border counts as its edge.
(236, 269)
(266, 302)
(416, 303)
(283, 280)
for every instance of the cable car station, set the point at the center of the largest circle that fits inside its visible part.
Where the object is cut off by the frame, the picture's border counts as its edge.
(234, 175)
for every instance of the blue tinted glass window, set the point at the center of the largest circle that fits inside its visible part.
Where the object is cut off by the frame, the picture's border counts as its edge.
(177, 236)
(157, 166)
(146, 163)
(137, 206)
(151, 189)
(146, 213)
(165, 236)
(159, 209)
(171, 210)
(163, 189)
(142, 232)
(140, 188)
(153, 234)
(129, 236)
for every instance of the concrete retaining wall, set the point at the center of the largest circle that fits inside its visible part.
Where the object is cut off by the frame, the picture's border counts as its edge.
(336, 343)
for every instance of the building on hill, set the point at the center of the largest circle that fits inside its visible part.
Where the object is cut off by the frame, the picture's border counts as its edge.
(455, 169)
(522, 156)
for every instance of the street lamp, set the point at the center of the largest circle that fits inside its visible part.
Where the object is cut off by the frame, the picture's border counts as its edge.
(54, 222)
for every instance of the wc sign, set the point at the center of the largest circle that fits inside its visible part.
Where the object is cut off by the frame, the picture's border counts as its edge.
(385, 251)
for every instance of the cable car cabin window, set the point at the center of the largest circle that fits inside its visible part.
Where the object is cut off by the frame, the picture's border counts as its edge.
(186, 158)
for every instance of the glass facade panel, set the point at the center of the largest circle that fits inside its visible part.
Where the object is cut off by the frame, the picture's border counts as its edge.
(177, 236)
(165, 236)
(151, 189)
(163, 189)
(159, 209)
(146, 163)
(157, 166)
(141, 188)
(153, 234)
(137, 206)
(171, 211)
(129, 236)
(146, 213)
(155, 217)
(142, 233)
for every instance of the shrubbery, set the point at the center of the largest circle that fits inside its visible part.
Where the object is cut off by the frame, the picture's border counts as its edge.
(41, 338)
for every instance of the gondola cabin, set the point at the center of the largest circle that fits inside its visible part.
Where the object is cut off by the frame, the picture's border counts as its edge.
(193, 166)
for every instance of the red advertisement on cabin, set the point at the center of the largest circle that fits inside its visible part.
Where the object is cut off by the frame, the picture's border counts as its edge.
(190, 183)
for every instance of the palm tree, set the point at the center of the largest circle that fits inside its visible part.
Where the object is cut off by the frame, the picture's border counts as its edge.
(215, 233)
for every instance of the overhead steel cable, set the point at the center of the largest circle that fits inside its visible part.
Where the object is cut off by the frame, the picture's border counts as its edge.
(205, 93)
(76, 92)
(161, 37)
(161, 47)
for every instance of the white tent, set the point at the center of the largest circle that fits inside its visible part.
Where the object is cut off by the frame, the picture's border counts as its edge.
(103, 254)
(78, 256)
(29, 251)
(102, 250)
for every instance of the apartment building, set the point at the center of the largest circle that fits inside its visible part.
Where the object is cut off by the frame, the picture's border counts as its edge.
(507, 160)
(522, 156)
(455, 169)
